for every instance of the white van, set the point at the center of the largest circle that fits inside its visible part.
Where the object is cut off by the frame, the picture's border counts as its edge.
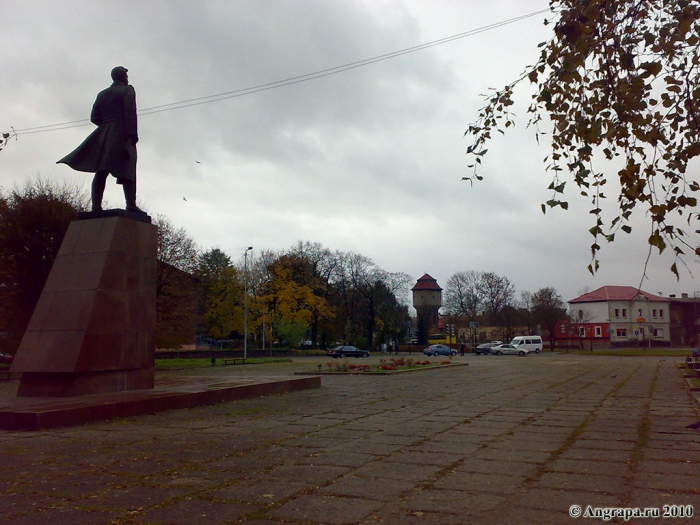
(533, 343)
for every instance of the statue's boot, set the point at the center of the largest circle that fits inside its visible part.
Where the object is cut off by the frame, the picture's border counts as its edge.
(98, 189)
(130, 195)
(134, 209)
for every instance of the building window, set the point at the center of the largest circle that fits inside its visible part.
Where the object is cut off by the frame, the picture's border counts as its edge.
(622, 332)
(624, 313)
(661, 313)
(639, 313)
(658, 332)
(617, 313)
(653, 313)
(598, 331)
(580, 314)
(581, 331)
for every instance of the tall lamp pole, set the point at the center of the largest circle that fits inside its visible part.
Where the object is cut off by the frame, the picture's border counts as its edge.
(245, 301)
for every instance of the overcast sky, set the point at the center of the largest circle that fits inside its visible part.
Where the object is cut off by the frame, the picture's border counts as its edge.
(367, 160)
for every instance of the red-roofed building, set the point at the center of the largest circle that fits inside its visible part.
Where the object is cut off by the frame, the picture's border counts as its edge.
(427, 300)
(622, 315)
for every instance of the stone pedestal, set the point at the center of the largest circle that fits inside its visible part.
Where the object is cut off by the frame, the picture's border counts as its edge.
(93, 329)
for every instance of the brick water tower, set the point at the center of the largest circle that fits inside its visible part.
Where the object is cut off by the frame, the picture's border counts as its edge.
(427, 300)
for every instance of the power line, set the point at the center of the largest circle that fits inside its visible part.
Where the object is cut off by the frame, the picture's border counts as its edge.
(289, 81)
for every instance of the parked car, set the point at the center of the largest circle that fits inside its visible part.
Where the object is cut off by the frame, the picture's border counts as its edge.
(5, 358)
(485, 348)
(439, 350)
(507, 349)
(346, 351)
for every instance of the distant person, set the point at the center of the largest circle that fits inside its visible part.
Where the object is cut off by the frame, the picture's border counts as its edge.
(111, 148)
(461, 349)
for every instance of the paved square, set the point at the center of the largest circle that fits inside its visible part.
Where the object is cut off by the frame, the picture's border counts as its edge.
(504, 440)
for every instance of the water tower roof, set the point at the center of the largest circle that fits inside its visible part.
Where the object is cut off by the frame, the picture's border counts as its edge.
(426, 283)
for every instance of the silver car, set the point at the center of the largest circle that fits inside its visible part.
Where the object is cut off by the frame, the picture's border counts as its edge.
(508, 350)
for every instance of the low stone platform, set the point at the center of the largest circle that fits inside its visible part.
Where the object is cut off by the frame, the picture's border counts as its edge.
(175, 392)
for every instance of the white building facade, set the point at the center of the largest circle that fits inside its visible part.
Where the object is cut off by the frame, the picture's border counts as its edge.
(624, 315)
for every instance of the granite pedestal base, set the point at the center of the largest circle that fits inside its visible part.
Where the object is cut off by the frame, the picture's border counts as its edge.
(93, 329)
(176, 392)
(57, 384)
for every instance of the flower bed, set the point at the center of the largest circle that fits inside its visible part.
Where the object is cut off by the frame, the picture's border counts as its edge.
(385, 367)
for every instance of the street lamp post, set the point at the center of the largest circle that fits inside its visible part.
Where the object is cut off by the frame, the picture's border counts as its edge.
(263, 327)
(245, 302)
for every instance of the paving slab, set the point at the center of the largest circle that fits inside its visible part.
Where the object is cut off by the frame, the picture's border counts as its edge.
(327, 509)
(477, 483)
(547, 499)
(262, 491)
(453, 501)
(498, 466)
(383, 489)
(415, 517)
(386, 469)
(189, 511)
(615, 485)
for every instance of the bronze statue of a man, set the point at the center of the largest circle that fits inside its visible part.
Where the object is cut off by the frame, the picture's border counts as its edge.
(111, 148)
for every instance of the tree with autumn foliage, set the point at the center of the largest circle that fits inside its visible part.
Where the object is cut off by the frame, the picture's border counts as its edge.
(619, 82)
(292, 304)
(221, 300)
(318, 265)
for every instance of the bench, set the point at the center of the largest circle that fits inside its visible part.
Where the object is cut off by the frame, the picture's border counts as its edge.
(6, 375)
(234, 360)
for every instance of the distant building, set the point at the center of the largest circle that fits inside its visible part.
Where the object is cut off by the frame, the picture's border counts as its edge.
(622, 315)
(685, 319)
(176, 307)
(427, 300)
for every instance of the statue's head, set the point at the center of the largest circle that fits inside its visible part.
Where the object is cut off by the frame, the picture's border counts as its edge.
(119, 74)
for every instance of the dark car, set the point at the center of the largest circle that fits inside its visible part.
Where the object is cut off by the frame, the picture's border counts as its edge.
(485, 348)
(4, 358)
(439, 350)
(346, 351)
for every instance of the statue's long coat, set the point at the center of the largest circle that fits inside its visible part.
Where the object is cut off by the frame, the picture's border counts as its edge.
(110, 147)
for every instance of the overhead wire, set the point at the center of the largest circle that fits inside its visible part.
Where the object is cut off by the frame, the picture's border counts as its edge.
(288, 81)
